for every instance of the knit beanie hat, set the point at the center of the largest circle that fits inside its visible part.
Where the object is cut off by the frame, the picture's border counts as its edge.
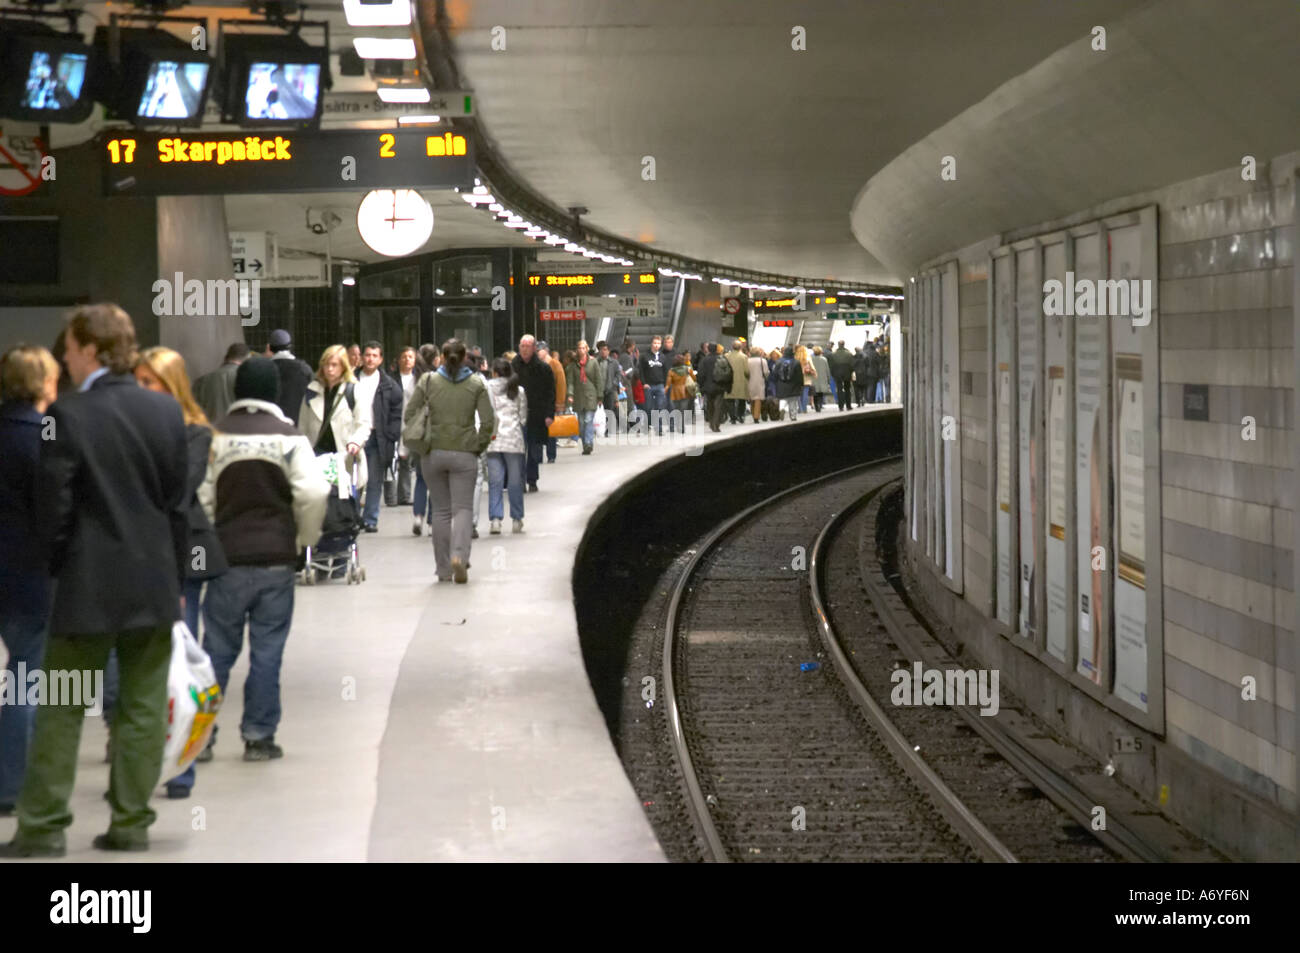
(258, 379)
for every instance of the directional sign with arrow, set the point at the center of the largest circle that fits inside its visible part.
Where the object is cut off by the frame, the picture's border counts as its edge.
(247, 252)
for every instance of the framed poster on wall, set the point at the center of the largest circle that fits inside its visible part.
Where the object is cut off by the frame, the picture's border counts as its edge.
(1092, 472)
(1029, 320)
(1007, 457)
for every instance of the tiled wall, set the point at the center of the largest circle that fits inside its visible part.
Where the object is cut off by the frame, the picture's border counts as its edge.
(976, 443)
(1226, 321)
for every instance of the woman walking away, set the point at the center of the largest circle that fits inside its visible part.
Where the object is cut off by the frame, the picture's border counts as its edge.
(809, 373)
(507, 450)
(789, 382)
(162, 370)
(758, 374)
(451, 395)
(428, 360)
(681, 390)
(29, 382)
(586, 384)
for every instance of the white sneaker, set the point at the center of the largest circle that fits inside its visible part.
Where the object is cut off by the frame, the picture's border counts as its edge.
(516, 526)
(495, 528)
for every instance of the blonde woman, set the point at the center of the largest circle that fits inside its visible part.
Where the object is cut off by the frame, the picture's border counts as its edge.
(162, 370)
(29, 383)
(331, 416)
(809, 375)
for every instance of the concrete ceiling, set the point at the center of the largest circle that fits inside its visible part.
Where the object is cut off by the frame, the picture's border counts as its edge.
(1182, 89)
(759, 149)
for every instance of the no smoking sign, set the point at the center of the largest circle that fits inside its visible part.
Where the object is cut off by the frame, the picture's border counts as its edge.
(23, 164)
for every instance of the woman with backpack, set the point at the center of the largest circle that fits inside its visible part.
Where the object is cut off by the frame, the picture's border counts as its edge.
(450, 443)
(789, 382)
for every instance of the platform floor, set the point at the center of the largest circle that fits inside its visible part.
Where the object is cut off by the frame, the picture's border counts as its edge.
(424, 721)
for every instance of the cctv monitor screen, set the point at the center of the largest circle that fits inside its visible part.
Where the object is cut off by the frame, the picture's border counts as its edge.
(173, 90)
(54, 81)
(282, 91)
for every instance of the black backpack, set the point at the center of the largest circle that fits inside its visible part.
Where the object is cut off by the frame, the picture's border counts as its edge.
(785, 371)
(722, 372)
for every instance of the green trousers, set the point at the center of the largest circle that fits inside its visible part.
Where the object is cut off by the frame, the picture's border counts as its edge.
(138, 733)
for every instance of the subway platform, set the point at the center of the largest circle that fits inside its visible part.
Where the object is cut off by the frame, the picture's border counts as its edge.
(424, 721)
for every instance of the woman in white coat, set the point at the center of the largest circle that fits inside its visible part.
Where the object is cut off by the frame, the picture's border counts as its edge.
(328, 398)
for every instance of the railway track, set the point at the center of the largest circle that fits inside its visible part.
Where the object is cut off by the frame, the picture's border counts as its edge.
(780, 748)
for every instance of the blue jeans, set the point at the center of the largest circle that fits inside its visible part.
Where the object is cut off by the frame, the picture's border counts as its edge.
(420, 504)
(656, 398)
(262, 596)
(536, 439)
(587, 427)
(552, 447)
(374, 482)
(24, 637)
(803, 399)
(498, 466)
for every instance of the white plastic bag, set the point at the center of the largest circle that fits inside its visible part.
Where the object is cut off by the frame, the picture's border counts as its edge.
(598, 422)
(193, 697)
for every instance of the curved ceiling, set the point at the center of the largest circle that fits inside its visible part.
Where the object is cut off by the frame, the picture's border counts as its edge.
(759, 149)
(1183, 89)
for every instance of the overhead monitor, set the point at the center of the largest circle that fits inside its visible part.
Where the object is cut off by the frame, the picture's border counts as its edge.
(273, 80)
(43, 75)
(158, 80)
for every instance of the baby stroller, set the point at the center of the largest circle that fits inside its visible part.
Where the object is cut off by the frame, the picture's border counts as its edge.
(337, 547)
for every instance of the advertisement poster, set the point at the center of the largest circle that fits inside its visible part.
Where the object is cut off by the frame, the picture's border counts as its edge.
(1092, 474)
(1006, 459)
(1058, 597)
(1029, 321)
(1130, 536)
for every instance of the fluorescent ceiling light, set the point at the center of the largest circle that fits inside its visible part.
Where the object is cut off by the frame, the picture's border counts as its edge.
(395, 13)
(403, 94)
(496, 207)
(556, 240)
(417, 120)
(517, 225)
(384, 48)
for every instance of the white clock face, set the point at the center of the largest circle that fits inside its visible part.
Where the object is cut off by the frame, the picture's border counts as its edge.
(394, 222)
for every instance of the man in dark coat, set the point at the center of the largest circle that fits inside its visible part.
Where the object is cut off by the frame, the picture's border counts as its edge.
(295, 375)
(539, 385)
(713, 392)
(385, 430)
(215, 390)
(112, 509)
(841, 361)
(866, 369)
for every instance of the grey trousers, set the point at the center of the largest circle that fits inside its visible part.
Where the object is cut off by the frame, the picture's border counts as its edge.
(450, 476)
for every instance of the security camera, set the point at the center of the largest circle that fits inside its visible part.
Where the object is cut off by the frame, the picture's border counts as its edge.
(327, 221)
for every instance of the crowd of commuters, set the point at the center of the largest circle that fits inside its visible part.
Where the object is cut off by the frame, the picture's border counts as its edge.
(131, 498)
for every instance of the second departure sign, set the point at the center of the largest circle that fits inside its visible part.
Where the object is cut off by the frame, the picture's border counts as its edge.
(137, 163)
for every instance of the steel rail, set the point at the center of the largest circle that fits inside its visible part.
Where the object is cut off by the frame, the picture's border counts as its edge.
(961, 817)
(696, 800)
